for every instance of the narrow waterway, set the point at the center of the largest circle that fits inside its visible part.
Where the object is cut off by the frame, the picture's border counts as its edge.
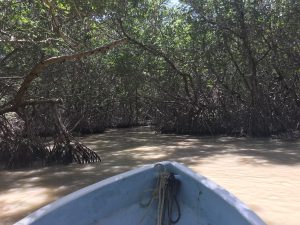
(263, 173)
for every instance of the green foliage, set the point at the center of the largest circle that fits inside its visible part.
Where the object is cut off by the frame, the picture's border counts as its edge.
(201, 67)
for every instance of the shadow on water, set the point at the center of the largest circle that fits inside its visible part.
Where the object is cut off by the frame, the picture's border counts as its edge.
(175, 147)
(22, 192)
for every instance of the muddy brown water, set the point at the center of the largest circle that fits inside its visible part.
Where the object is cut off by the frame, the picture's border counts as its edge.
(263, 173)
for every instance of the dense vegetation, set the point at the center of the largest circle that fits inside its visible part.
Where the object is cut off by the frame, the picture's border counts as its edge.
(197, 67)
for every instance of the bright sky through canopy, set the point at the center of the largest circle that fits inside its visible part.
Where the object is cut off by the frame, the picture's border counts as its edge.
(173, 3)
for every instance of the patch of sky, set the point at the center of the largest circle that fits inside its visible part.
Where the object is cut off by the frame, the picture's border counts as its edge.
(173, 3)
(176, 4)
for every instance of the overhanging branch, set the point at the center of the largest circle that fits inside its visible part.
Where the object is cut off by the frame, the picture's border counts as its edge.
(38, 68)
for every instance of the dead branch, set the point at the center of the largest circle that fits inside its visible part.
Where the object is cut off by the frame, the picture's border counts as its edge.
(13, 40)
(41, 101)
(11, 78)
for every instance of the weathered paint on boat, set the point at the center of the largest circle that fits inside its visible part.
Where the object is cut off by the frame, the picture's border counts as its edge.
(116, 201)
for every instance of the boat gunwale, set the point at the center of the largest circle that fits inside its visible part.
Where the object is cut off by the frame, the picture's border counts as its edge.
(228, 197)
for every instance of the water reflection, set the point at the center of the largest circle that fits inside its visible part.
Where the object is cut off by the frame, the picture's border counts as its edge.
(261, 172)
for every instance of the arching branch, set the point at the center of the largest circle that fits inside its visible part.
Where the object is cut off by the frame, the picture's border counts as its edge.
(38, 68)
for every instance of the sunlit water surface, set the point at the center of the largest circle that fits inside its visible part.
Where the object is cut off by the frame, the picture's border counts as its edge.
(263, 173)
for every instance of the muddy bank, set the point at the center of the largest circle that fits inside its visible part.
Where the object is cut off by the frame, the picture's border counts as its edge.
(264, 173)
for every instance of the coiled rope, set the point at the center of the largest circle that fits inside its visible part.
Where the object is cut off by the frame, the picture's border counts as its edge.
(166, 193)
